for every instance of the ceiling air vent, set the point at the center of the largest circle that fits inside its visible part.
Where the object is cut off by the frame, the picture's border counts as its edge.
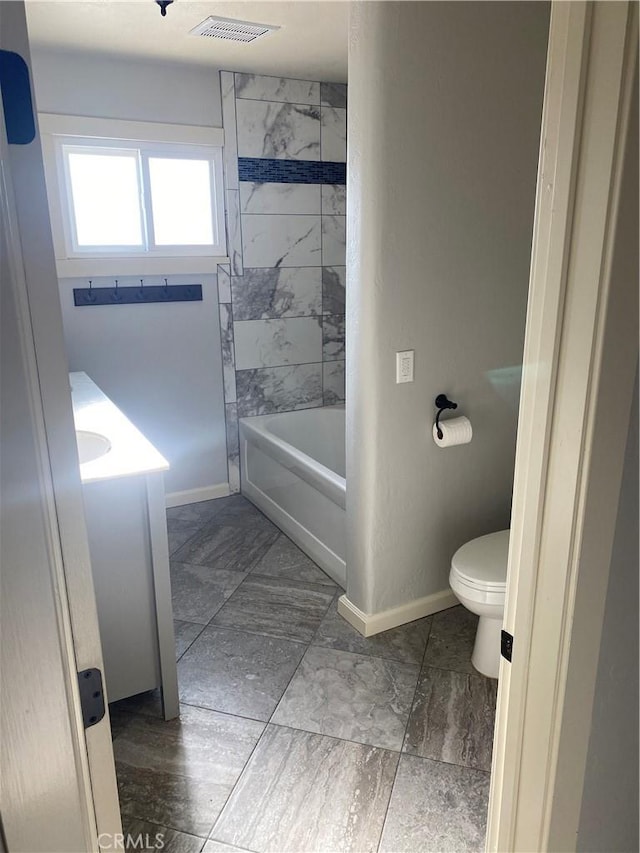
(228, 28)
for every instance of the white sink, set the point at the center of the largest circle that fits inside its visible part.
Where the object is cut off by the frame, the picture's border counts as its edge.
(91, 445)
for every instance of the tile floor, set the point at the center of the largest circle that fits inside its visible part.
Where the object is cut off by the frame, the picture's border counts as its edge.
(296, 733)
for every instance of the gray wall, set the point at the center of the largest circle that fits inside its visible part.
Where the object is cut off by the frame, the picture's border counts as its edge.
(444, 120)
(88, 85)
(609, 815)
(160, 363)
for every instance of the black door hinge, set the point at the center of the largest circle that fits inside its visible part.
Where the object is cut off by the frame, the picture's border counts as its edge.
(91, 696)
(506, 645)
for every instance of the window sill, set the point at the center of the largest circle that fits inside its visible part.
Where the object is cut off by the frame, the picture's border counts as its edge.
(96, 267)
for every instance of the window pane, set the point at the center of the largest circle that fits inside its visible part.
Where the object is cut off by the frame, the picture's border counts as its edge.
(106, 198)
(181, 201)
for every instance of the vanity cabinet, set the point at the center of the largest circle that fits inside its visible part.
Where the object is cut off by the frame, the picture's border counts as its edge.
(126, 524)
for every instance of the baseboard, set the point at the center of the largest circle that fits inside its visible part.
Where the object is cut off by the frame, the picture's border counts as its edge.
(192, 496)
(373, 623)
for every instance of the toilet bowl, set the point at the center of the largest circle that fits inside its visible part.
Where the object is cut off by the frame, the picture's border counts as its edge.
(478, 579)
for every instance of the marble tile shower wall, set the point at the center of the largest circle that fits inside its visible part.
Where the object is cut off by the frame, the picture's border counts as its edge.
(282, 296)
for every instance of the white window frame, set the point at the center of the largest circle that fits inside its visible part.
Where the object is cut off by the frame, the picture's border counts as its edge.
(69, 224)
(149, 139)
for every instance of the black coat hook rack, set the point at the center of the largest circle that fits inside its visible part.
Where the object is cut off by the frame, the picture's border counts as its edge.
(140, 295)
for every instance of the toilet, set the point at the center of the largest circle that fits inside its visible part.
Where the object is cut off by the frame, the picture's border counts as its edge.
(478, 579)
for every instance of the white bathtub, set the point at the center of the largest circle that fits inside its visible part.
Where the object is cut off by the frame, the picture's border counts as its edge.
(293, 469)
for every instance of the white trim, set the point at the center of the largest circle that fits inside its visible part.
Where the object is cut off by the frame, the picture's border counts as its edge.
(370, 624)
(40, 331)
(87, 267)
(42, 493)
(578, 371)
(141, 131)
(156, 518)
(554, 195)
(192, 496)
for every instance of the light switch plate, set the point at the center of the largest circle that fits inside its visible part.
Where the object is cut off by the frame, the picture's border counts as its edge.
(404, 366)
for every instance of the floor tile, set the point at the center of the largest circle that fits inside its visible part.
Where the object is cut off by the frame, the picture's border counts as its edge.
(220, 847)
(148, 837)
(285, 560)
(198, 592)
(189, 805)
(180, 773)
(185, 633)
(179, 532)
(306, 792)
(227, 546)
(197, 513)
(350, 696)
(239, 512)
(453, 633)
(278, 608)
(452, 718)
(237, 672)
(406, 643)
(436, 807)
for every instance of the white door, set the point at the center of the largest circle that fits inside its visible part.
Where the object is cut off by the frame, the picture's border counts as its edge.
(58, 779)
(581, 351)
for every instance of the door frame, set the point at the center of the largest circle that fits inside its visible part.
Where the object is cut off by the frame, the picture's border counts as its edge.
(42, 334)
(579, 365)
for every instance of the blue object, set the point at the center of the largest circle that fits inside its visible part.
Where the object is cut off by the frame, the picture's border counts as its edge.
(85, 296)
(16, 98)
(291, 171)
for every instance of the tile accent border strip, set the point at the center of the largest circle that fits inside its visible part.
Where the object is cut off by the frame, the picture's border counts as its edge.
(291, 171)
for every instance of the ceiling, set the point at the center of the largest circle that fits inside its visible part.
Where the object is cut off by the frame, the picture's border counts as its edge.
(311, 44)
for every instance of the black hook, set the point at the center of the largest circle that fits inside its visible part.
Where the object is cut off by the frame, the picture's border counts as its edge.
(442, 403)
(90, 297)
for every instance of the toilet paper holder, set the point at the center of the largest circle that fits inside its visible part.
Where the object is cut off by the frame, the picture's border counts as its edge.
(442, 404)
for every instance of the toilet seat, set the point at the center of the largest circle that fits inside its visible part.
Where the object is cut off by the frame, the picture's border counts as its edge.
(481, 564)
(465, 593)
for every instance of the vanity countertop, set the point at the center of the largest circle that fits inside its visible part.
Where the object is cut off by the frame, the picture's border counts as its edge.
(130, 453)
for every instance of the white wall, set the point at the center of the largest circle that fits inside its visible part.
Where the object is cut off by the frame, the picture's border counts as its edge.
(161, 364)
(89, 85)
(444, 118)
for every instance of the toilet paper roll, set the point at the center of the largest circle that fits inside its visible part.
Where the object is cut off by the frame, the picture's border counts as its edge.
(454, 431)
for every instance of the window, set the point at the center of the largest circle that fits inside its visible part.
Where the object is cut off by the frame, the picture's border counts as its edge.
(133, 200)
(104, 195)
